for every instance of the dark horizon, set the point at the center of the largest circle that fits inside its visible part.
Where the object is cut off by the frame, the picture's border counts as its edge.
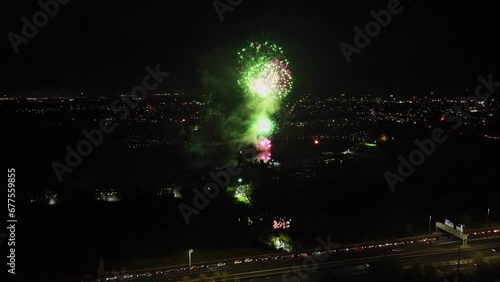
(305, 141)
(103, 48)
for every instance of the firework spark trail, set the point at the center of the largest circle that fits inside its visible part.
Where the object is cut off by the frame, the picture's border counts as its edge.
(265, 77)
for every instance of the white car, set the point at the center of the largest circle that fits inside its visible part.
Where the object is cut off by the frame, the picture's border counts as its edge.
(248, 260)
(237, 261)
(221, 264)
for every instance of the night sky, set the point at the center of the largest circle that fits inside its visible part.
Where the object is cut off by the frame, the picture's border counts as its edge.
(102, 47)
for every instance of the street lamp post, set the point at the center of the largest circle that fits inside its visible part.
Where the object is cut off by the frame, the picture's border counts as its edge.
(458, 266)
(430, 220)
(488, 218)
(190, 251)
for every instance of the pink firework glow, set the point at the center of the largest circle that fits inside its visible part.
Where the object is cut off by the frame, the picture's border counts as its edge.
(264, 156)
(264, 144)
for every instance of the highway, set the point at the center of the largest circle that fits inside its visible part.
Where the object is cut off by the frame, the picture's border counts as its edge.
(437, 249)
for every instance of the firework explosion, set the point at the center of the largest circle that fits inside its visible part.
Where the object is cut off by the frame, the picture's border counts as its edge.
(263, 126)
(264, 71)
(264, 144)
(264, 156)
(265, 77)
